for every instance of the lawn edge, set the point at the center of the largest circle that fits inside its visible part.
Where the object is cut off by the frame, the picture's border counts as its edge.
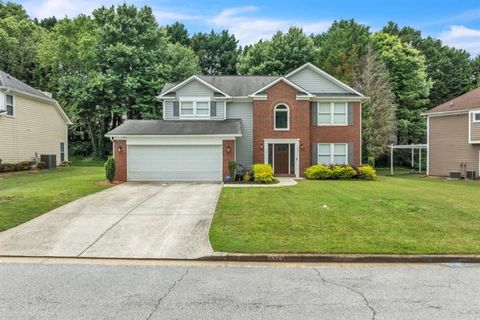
(345, 258)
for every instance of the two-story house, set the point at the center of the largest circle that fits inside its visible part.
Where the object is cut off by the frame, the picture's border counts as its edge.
(291, 122)
(454, 136)
(32, 123)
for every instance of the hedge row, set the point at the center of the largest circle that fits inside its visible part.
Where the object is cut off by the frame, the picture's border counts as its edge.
(345, 172)
(19, 166)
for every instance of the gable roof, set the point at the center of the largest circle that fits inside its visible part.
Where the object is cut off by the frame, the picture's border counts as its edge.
(465, 102)
(243, 86)
(327, 76)
(9, 82)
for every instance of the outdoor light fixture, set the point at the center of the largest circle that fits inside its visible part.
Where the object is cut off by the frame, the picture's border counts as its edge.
(301, 146)
(228, 149)
(120, 149)
(261, 146)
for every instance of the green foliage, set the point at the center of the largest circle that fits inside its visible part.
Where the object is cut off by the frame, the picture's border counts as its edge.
(7, 167)
(342, 48)
(177, 33)
(343, 172)
(232, 169)
(367, 172)
(262, 173)
(19, 166)
(217, 52)
(476, 71)
(247, 177)
(318, 172)
(41, 165)
(110, 169)
(278, 56)
(410, 84)
(183, 62)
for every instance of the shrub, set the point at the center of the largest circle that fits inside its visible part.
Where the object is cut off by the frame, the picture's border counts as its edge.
(7, 167)
(367, 172)
(343, 172)
(23, 165)
(247, 177)
(41, 165)
(262, 173)
(64, 164)
(110, 169)
(318, 172)
(232, 167)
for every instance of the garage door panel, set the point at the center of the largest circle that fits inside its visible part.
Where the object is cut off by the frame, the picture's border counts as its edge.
(174, 163)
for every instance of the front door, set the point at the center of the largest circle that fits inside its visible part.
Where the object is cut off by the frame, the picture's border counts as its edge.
(281, 158)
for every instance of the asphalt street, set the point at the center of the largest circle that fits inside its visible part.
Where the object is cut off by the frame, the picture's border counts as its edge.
(49, 289)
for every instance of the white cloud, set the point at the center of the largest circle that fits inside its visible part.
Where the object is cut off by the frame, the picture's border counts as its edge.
(249, 29)
(463, 38)
(60, 8)
(172, 16)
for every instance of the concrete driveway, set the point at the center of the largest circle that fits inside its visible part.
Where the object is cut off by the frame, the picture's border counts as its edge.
(132, 220)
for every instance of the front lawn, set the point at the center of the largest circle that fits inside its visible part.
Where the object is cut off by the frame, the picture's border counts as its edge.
(403, 214)
(26, 195)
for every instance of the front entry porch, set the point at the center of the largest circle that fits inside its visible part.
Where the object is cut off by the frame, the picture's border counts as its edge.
(283, 156)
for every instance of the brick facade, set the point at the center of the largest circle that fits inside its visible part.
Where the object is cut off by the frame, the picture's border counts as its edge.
(120, 160)
(228, 155)
(300, 126)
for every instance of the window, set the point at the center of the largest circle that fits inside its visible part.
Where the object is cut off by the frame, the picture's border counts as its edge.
(281, 119)
(332, 153)
(193, 108)
(476, 117)
(10, 107)
(62, 151)
(332, 113)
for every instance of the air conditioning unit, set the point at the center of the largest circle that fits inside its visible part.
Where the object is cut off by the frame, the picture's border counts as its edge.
(471, 175)
(455, 175)
(50, 160)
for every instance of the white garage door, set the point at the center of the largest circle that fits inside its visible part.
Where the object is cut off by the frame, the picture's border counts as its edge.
(174, 163)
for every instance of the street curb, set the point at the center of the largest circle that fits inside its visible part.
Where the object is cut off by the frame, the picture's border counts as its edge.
(344, 258)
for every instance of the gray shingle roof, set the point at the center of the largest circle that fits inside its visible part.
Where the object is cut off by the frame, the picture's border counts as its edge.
(13, 83)
(235, 86)
(178, 127)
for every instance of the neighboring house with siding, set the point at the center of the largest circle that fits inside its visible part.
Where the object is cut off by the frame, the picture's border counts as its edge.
(31, 122)
(454, 136)
(291, 122)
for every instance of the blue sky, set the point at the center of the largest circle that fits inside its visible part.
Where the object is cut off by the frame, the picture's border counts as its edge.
(457, 23)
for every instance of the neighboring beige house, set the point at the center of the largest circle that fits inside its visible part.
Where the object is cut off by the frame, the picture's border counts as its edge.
(31, 123)
(454, 136)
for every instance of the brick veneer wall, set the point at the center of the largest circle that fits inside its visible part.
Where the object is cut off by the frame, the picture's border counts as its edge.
(227, 156)
(341, 134)
(300, 126)
(120, 160)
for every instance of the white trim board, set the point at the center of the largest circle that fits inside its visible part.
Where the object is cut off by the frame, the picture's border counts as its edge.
(290, 83)
(296, 142)
(187, 81)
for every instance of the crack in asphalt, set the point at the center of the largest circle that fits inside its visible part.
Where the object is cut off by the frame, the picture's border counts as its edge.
(159, 301)
(367, 303)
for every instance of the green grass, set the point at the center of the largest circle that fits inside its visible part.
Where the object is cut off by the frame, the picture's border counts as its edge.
(26, 195)
(401, 214)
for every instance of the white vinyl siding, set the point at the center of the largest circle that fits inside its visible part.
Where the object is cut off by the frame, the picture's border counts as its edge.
(244, 144)
(314, 82)
(174, 162)
(332, 153)
(332, 113)
(194, 89)
(37, 127)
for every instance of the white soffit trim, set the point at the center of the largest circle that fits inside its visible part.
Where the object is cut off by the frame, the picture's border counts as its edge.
(192, 78)
(290, 83)
(448, 113)
(326, 75)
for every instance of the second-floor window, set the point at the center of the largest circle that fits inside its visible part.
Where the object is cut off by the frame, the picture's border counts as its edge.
(10, 106)
(281, 117)
(194, 108)
(332, 113)
(476, 117)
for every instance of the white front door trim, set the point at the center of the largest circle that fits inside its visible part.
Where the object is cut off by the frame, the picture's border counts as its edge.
(296, 142)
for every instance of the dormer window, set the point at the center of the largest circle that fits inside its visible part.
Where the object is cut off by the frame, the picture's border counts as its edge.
(282, 117)
(194, 107)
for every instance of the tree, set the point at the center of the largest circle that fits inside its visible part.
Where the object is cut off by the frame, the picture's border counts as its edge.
(280, 55)
(341, 48)
(378, 112)
(46, 23)
(449, 68)
(183, 62)
(18, 39)
(217, 52)
(177, 33)
(476, 71)
(410, 84)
